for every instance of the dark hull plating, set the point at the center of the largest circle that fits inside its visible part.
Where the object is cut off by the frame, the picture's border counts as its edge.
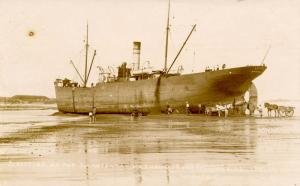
(152, 95)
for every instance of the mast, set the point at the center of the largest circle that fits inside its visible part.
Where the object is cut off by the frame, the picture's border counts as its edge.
(167, 38)
(194, 26)
(86, 54)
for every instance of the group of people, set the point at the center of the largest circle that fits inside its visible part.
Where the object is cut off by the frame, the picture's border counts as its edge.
(169, 109)
(218, 109)
(207, 69)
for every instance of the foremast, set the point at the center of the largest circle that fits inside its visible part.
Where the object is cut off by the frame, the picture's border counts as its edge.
(167, 38)
(85, 78)
(166, 69)
(86, 54)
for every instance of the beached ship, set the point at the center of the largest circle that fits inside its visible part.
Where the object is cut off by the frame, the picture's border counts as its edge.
(153, 91)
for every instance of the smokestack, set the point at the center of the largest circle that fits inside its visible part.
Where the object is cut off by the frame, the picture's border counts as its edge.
(136, 54)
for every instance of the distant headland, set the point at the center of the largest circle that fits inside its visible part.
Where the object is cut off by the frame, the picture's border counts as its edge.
(27, 102)
(27, 99)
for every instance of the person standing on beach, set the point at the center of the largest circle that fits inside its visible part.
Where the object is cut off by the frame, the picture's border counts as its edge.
(187, 107)
(91, 116)
(260, 110)
(94, 114)
(169, 109)
(199, 107)
(226, 112)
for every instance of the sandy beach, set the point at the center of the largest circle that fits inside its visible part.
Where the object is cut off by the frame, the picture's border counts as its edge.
(37, 148)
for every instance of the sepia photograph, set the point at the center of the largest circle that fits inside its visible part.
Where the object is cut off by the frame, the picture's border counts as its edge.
(149, 92)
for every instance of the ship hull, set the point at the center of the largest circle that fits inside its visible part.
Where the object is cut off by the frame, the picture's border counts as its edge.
(153, 95)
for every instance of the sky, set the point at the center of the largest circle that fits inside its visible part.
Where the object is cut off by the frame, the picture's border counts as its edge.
(38, 38)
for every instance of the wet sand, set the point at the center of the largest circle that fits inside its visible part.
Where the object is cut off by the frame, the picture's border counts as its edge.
(39, 149)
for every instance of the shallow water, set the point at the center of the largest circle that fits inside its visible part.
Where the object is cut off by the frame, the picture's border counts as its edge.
(37, 149)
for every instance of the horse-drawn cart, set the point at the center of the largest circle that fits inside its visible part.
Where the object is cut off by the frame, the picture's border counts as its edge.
(286, 111)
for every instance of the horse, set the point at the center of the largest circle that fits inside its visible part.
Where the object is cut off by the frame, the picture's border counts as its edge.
(287, 111)
(271, 107)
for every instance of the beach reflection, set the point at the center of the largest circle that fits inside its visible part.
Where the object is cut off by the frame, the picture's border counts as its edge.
(162, 150)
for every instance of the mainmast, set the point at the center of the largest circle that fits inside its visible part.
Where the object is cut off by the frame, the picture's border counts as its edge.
(86, 54)
(167, 38)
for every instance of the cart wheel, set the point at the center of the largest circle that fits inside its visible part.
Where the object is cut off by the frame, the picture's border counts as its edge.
(290, 113)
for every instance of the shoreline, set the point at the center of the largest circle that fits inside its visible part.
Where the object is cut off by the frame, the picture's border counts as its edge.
(26, 106)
